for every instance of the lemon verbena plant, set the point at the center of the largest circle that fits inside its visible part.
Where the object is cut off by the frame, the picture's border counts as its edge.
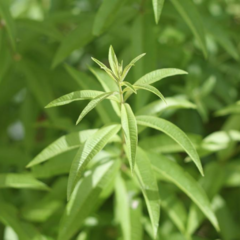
(109, 159)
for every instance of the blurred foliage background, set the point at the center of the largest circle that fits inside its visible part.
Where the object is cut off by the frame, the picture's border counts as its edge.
(45, 52)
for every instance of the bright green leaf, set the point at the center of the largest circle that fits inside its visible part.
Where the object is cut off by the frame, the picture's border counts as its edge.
(175, 133)
(87, 151)
(129, 126)
(157, 8)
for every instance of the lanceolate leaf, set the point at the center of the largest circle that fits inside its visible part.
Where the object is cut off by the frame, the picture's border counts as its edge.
(190, 14)
(185, 182)
(129, 66)
(150, 89)
(61, 145)
(157, 8)
(128, 212)
(86, 197)
(87, 151)
(15, 180)
(158, 75)
(130, 86)
(93, 104)
(149, 187)
(113, 61)
(155, 76)
(129, 126)
(77, 96)
(175, 133)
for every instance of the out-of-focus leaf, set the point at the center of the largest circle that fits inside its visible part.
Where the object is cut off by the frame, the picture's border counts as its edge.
(232, 109)
(173, 207)
(15, 180)
(215, 175)
(189, 13)
(61, 145)
(185, 182)
(157, 107)
(157, 8)
(162, 143)
(8, 21)
(106, 15)
(81, 205)
(76, 39)
(129, 126)
(92, 104)
(8, 216)
(148, 183)
(175, 133)
(87, 151)
(232, 174)
(128, 212)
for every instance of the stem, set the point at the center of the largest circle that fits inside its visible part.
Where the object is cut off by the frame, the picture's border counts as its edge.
(122, 102)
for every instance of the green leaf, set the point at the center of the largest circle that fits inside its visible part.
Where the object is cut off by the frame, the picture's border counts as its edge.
(86, 197)
(106, 69)
(128, 211)
(175, 133)
(8, 21)
(9, 217)
(15, 180)
(158, 75)
(157, 107)
(151, 89)
(61, 145)
(113, 61)
(189, 13)
(129, 66)
(108, 85)
(212, 183)
(185, 182)
(77, 96)
(87, 151)
(148, 183)
(106, 15)
(76, 39)
(129, 126)
(157, 8)
(129, 86)
(92, 104)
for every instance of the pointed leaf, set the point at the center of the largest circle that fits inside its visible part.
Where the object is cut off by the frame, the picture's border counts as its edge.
(129, 86)
(148, 183)
(129, 66)
(129, 126)
(15, 180)
(86, 197)
(157, 8)
(175, 133)
(87, 151)
(189, 13)
(91, 105)
(112, 58)
(128, 211)
(61, 145)
(185, 182)
(151, 89)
